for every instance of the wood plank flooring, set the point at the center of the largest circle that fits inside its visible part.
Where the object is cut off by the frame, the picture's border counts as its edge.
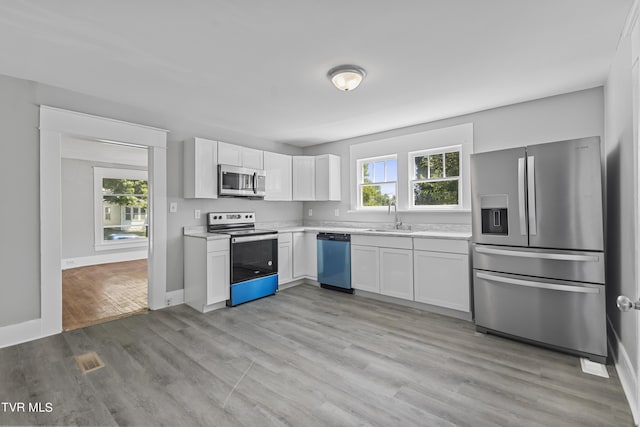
(304, 357)
(99, 293)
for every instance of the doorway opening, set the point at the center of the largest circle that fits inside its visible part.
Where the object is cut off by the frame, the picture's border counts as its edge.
(105, 231)
(55, 124)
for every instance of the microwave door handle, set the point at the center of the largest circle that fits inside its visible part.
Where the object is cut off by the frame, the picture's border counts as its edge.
(255, 178)
(521, 197)
(531, 193)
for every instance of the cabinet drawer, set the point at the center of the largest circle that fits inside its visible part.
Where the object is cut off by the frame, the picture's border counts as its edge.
(382, 241)
(285, 237)
(218, 245)
(441, 245)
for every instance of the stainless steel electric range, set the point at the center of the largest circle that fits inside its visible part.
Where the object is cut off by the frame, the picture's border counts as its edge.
(254, 255)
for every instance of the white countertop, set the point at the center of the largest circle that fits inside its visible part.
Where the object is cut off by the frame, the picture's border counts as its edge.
(208, 236)
(458, 235)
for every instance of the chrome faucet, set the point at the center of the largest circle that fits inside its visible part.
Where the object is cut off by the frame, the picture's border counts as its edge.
(397, 221)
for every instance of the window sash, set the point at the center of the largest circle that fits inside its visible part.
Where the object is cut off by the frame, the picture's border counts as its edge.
(360, 175)
(413, 175)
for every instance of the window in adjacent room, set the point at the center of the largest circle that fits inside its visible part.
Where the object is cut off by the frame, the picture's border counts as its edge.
(377, 181)
(122, 198)
(434, 178)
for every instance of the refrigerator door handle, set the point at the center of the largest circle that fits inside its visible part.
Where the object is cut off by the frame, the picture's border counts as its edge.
(531, 192)
(521, 195)
(538, 255)
(539, 285)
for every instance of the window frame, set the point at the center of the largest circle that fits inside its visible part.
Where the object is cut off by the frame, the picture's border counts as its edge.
(100, 173)
(360, 184)
(412, 179)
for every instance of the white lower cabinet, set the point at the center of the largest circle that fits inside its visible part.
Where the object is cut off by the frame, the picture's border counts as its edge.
(299, 258)
(305, 251)
(382, 265)
(285, 258)
(442, 278)
(218, 278)
(207, 276)
(365, 268)
(311, 254)
(396, 273)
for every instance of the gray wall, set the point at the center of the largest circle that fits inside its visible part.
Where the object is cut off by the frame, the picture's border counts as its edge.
(20, 169)
(19, 214)
(78, 233)
(621, 212)
(572, 115)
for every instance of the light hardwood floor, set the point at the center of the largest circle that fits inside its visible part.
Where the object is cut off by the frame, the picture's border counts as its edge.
(99, 293)
(304, 357)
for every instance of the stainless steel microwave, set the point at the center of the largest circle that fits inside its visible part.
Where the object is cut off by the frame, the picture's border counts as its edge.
(234, 181)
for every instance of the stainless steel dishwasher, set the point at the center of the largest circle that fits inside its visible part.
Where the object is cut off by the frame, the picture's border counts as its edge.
(334, 261)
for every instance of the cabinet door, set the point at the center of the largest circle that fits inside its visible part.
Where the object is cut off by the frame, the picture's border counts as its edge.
(278, 169)
(218, 277)
(365, 268)
(299, 258)
(200, 169)
(328, 177)
(229, 154)
(396, 273)
(285, 262)
(442, 279)
(304, 177)
(311, 254)
(252, 158)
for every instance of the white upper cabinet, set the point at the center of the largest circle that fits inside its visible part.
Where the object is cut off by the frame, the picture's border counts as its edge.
(328, 177)
(252, 158)
(278, 182)
(304, 177)
(316, 177)
(236, 155)
(200, 169)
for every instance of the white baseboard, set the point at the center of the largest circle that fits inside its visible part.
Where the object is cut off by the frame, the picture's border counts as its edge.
(103, 259)
(174, 297)
(624, 368)
(22, 332)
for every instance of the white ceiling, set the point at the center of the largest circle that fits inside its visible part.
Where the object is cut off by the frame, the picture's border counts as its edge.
(259, 67)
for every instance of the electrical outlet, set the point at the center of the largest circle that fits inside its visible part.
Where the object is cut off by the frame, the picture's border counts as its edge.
(168, 302)
(173, 207)
(336, 212)
(196, 214)
(310, 212)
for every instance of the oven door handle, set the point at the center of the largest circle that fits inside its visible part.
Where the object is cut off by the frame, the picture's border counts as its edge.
(254, 238)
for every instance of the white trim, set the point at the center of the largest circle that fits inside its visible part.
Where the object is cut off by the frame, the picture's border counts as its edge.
(360, 184)
(625, 371)
(413, 180)
(84, 261)
(54, 123)
(21, 332)
(174, 298)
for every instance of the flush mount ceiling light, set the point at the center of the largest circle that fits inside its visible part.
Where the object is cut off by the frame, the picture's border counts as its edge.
(346, 77)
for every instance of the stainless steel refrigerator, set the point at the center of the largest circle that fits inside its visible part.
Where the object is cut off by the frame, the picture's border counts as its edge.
(538, 247)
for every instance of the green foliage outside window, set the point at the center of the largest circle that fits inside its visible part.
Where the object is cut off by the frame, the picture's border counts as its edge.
(376, 191)
(126, 192)
(432, 172)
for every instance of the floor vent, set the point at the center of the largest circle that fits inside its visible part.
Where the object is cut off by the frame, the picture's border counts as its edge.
(593, 368)
(89, 362)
